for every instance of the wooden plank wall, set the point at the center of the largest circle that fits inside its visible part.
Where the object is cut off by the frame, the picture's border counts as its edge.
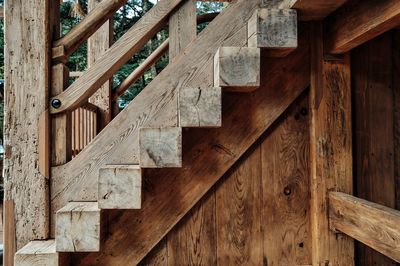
(258, 214)
(376, 105)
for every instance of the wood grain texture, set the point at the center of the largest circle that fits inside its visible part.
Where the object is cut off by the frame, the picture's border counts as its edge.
(396, 115)
(77, 180)
(120, 187)
(285, 186)
(238, 223)
(359, 22)
(274, 30)
(373, 127)
(200, 107)
(157, 256)
(193, 240)
(374, 225)
(26, 41)
(98, 44)
(182, 28)
(160, 147)
(237, 68)
(37, 253)
(209, 153)
(330, 150)
(78, 227)
(9, 240)
(115, 57)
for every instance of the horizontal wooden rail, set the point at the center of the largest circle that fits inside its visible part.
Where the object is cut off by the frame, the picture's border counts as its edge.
(142, 68)
(65, 46)
(375, 225)
(114, 58)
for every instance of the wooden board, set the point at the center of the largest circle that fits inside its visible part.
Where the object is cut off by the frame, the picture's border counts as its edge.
(373, 127)
(25, 53)
(360, 21)
(207, 156)
(375, 225)
(38, 253)
(154, 106)
(396, 115)
(238, 221)
(285, 211)
(330, 150)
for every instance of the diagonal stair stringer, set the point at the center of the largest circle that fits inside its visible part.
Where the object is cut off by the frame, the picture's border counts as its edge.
(155, 106)
(170, 193)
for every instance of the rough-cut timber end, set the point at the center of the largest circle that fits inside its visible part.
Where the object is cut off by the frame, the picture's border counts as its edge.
(273, 30)
(120, 187)
(237, 68)
(78, 227)
(59, 54)
(160, 147)
(200, 107)
(39, 253)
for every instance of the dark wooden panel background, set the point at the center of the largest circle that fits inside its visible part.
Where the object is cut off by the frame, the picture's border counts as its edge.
(258, 214)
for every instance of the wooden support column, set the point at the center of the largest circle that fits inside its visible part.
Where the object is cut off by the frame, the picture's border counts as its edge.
(330, 150)
(26, 98)
(182, 28)
(97, 45)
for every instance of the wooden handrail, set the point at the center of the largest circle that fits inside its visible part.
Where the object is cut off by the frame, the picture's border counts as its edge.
(375, 225)
(139, 71)
(114, 58)
(65, 46)
(153, 58)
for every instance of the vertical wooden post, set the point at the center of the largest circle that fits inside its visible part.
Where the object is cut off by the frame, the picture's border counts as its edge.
(26, 98)
(182, 28)
(99, 43)
(330, 150)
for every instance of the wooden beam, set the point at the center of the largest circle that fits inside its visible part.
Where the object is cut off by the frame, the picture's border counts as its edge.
(182, 28)
(358, 23)
(89, 25)
(330, 150)
(151, 108)
(98, 44)
(372, 224)
(27, 52)
(115, 57)
(208, 155)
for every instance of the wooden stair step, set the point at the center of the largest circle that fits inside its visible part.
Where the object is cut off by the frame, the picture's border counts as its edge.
(38, 253)
(274, 30)
(160, 147)
(120, 187)
(237, 68)
(200, 107)
(78, 227)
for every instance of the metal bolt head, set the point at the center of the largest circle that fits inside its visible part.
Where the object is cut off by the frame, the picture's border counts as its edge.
(56, 103)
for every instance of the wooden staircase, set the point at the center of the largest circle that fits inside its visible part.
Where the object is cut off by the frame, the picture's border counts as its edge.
(79, 226)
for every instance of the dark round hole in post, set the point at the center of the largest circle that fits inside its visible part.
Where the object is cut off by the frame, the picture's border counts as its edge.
(56, 103)
(287, 191)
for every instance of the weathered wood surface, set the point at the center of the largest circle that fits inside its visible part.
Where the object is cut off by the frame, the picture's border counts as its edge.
(372, 224)
(200, 107)
(38, 253)
(89, 25)
(9, 239)
(330, 149)
(26, 41)
(396, 116)
(98, 44)
(208, 154)
(285, 211)
(182, 28)
(355, 24)
(274, 30)
(154, 106)
(237, 68)
(160, 147)
(120, 187)
(238, 199)
(115, 57)
(78, 227)
(373, 126)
